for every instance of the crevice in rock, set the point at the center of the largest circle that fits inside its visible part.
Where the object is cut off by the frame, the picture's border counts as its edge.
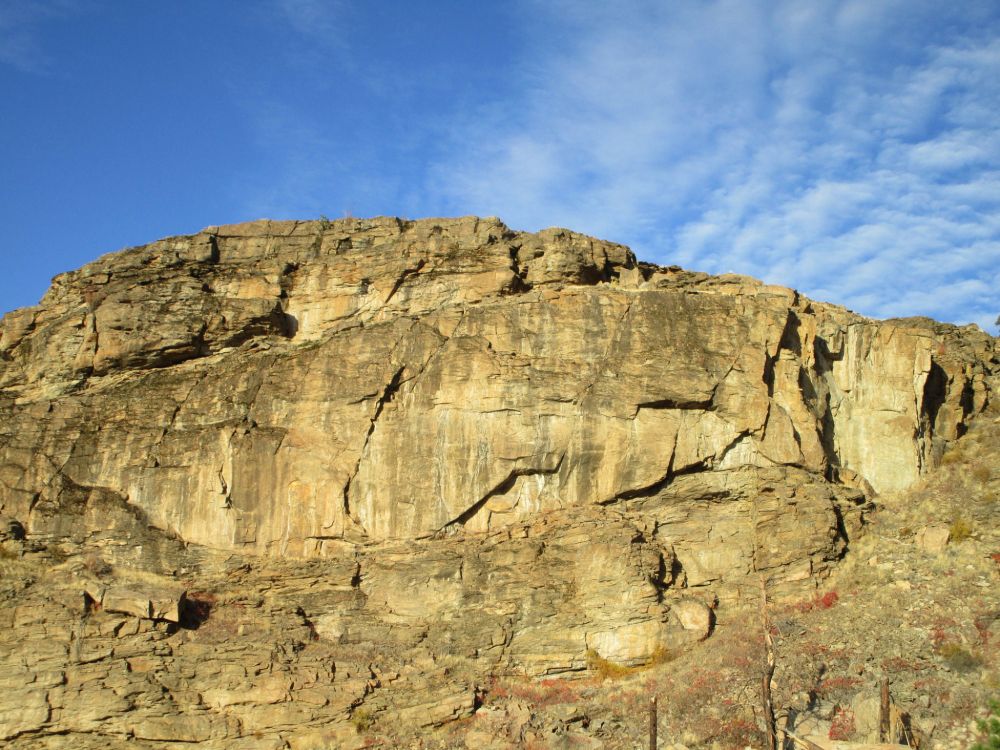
(933, 398)
(356, 578)
(502, 488)
(407, 273)
(388, 393)
(610, 271)
(790, 338)
(656, 487)
(591, 276)
(823, 358)
(660, 580)
(967, 402)
(290, 325)
(817, 397)
(154, 453)
(768, 375)
(841, 531)
(274, 322)
(444, 341)
(517, 283)
(934, 395)
(732, 366)
(681, 404)
(732, 444)
(789, 341)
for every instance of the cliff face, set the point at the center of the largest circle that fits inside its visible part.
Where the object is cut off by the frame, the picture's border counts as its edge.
(531, 437)
(277, 385)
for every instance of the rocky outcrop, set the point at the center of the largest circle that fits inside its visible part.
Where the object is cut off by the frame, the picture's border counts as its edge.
(277, 385)
(297, 468)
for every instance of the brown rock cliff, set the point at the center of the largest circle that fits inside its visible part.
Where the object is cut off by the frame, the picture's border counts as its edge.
(513, 450)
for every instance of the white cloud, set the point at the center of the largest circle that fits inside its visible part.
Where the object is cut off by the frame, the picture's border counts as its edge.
(320, 19)
(20, 44)
(849, 148)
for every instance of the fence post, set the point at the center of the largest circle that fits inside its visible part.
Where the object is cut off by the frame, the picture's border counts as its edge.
(883, 719)
(772, 739)
(652, 723)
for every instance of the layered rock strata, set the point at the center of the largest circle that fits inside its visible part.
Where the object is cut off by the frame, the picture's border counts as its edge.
(276, 386)
(513, 453)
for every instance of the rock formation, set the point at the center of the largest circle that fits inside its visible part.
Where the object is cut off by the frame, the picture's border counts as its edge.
(526, 450)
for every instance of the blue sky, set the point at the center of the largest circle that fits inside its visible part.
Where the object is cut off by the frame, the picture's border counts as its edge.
(848, 148)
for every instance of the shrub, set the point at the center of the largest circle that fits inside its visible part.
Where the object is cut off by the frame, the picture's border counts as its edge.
(960, 530)
(825, 601)
(542, 693)
(604, 668)
(97, 565)
(736, 733)
(828, 600)
(842, 727)
(981, 473)
(839, 685)
(958, 658)
(362, 719)
(609, 670)
(990, 727)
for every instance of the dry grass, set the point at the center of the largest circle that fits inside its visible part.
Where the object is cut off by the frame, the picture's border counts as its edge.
(609, 670)
(981, 473)
(955, 455)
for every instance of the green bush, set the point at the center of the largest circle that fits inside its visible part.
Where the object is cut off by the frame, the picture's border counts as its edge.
(990, 727)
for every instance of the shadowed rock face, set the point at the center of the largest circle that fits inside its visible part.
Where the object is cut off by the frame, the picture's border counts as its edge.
(515, 452)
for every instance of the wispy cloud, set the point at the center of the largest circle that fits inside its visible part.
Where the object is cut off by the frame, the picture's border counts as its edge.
(315, 18)
(20, 42)
(847, 148)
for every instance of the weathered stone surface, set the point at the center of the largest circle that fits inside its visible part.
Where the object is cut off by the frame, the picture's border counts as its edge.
(933, 539)
(391, 460)
(694, 616)
(153, 605)
(275, 385)
(29, 712)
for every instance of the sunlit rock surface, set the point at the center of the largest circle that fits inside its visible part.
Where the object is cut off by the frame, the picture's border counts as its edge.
(515, 448)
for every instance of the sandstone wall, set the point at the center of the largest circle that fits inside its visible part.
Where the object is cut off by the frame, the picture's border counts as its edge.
(515, 453)
(277, 385)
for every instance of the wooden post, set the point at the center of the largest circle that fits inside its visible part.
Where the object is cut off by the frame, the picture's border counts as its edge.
(883, 720)
(772, 739)
(652, 723)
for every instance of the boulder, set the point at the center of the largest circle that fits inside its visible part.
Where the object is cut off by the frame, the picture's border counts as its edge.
(150, 604)
(933, 539)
